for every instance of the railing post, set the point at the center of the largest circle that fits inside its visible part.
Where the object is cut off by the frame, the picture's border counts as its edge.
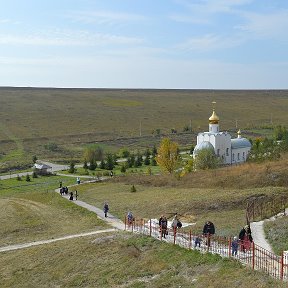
(229, 247)
(150, 226)
(253, 255)
(174, 230)
(208, 241)
(282, 266)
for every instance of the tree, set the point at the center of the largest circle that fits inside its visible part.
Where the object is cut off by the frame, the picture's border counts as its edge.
(34, 159)
(93, 165)
(168, 156)
(124, 153)
(85, 165)
(123, 168)
(138, 160)
(102, 164)
(28, 178)
(93, 153)
(147, 155)
(109, 162)
(131, 160)
(206, 159)
(72, 168)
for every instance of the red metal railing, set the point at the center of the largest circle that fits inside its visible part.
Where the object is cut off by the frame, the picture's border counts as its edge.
(256, 257)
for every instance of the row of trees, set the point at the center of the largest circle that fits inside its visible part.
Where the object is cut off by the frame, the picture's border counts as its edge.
(169, 159)
(94, 154)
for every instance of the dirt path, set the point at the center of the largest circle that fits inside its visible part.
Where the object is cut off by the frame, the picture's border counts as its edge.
(41, 242)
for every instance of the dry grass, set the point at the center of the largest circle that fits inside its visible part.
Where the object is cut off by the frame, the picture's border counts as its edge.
(72, 118)
(247, 175)
(36, 216)
(123, 261)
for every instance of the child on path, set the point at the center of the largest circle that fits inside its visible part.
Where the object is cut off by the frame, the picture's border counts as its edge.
(198, 241)
(234, 246)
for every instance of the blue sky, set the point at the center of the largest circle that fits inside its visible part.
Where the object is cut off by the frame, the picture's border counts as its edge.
(197, 44)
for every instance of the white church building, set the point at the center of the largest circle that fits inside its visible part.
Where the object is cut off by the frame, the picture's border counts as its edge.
(231, 151)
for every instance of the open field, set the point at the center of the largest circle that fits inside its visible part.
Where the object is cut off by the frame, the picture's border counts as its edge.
(34, 117)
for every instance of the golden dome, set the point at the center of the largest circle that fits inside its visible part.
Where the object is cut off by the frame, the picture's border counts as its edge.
(214, 119)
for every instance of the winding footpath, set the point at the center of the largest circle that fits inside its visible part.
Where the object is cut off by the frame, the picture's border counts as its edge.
(256, 227)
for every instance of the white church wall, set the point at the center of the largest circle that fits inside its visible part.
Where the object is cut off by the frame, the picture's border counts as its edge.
(240, 155)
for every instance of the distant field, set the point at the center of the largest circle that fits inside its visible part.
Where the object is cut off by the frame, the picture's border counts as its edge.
(71, 118)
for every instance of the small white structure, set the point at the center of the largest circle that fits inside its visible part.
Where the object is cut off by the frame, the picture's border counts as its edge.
(42, 169)
(231, 151)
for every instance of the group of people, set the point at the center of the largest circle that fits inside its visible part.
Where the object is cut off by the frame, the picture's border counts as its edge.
(243, 241)
(65, 190)
(72, 197)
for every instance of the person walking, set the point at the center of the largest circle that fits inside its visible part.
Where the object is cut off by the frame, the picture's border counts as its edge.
(71, 196)
(175, 222)
(130, 218)
(234, 245)
(208, 231)
(76, 194)
(106, 209)
(197, 242)
(163, 226)
(246, 239)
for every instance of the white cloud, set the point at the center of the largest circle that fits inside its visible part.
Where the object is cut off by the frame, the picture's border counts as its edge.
(67, 38)
(209, 42)
(266, 25)
(104, 17)
(201, 11)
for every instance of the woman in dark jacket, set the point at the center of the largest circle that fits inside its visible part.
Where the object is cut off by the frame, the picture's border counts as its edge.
(208, 231)
(245, 237)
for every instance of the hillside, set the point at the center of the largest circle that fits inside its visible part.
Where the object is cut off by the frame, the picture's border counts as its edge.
(247, 175)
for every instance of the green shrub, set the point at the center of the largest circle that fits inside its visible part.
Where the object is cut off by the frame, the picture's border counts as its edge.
(133, 189)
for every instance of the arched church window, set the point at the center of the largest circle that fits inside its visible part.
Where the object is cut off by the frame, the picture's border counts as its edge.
(233, 157)
(238, 156)
(227, 151)
(218, 152)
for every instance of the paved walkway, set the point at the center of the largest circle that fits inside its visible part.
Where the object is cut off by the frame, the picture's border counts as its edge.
(112, 220)
(258, 231)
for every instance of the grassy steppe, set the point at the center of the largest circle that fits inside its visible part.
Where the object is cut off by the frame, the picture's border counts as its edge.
(33, 117)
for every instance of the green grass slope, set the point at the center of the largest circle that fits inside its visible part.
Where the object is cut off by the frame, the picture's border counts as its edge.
(123, 260)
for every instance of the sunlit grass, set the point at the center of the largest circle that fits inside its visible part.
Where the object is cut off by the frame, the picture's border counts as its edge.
(123, 260)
